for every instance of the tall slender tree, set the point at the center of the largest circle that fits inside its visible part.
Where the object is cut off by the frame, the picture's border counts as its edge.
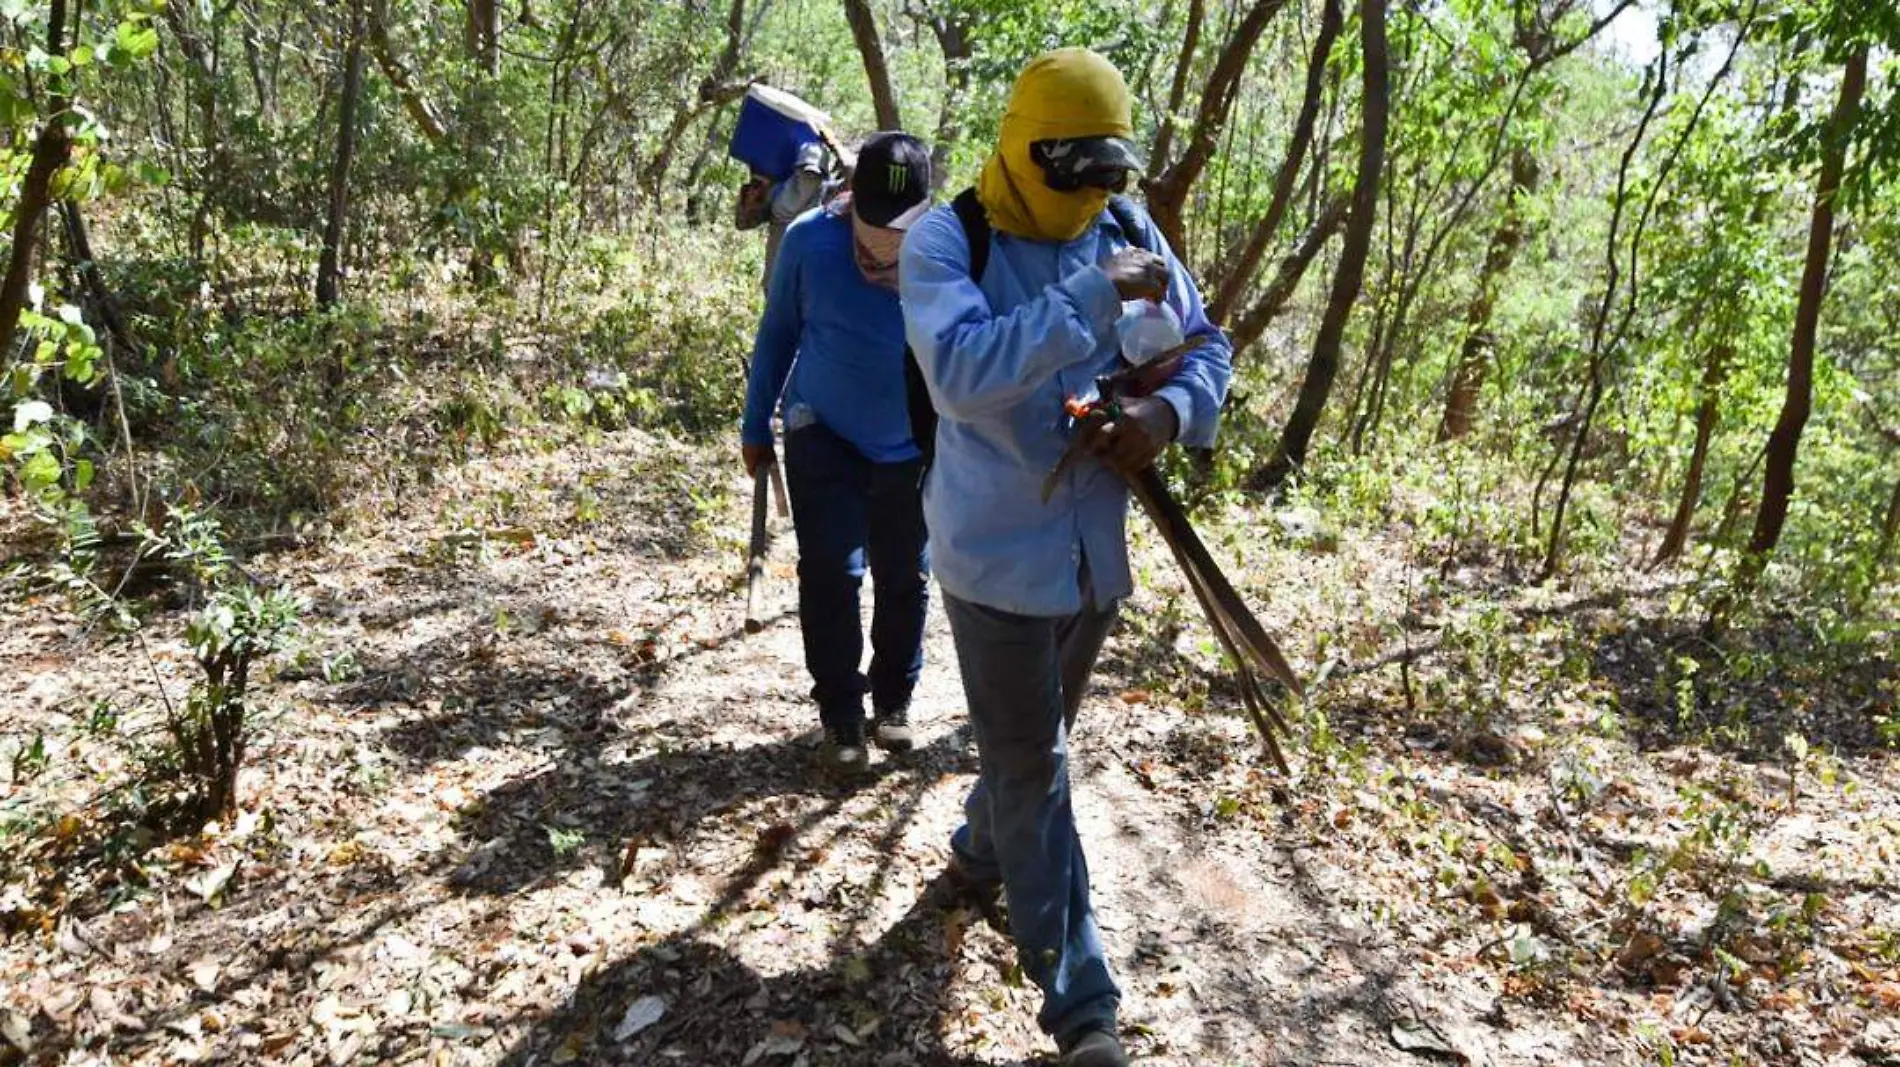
(51, 150)
(877, 69)
(330, 263)
(1785, 442)
(1290, 454)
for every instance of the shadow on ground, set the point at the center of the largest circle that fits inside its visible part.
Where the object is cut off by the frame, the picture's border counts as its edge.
(1747, 690)
(886, 1004)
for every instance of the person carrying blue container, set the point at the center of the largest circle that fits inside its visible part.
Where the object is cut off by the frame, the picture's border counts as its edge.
(794, 162)
(1012, 298)
(830, 348)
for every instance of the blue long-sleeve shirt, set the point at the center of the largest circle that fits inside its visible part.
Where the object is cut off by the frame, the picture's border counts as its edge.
(999, 359)
(831, 345)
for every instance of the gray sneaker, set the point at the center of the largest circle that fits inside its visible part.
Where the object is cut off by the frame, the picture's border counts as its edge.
(1095, 1048)
(844, 748)
(891, 729)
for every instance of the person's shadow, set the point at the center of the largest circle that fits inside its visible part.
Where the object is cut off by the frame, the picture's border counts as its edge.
(884, 1006)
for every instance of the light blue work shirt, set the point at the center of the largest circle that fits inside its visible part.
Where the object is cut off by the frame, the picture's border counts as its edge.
(1000, 358)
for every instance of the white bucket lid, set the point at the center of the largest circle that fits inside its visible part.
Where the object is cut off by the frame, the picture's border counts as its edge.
(788, 105)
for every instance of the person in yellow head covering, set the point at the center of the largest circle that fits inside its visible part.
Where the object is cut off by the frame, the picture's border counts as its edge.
(1064, 148)
(1012, 299)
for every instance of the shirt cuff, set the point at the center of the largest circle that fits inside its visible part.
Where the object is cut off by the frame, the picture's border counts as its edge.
(1095, 297)
(756, 432)
(1181, 399)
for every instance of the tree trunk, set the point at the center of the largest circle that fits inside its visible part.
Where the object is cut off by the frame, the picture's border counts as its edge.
(876, 70)
(481, 141)
(1785, 441)
(420, 110)
(254, 63)
(1238, 273)
(1714, 370)
(106, 306)
(51, 149)
(1474, 360)
(202, 86)
(330, 263)
(1602, 344)
(484, 36)
(1167, 194)
(716, 90)
(953, 40)
(696, 173)
(1351, 272)
(1889, 531)
(1177, 89)
(1273, 299)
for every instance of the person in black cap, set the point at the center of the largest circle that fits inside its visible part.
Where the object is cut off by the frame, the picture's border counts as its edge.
(830, 350)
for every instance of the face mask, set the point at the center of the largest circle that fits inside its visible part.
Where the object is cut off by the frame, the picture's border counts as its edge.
(1068, 93)
(876, 249)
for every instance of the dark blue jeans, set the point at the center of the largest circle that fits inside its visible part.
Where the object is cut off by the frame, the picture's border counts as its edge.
(853, 514)
(1024, 677)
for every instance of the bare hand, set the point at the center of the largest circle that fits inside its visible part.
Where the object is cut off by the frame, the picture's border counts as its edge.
(757, 457)
(1137, 274)
(1128, 445)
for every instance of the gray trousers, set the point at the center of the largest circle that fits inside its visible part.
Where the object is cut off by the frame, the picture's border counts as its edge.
(1024, 677)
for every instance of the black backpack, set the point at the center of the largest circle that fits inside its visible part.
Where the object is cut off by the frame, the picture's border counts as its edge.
(976, 231)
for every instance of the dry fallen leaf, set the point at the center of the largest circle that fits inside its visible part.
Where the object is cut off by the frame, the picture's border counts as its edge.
(212, 884)
(1691, 1035)
(640, 1014)
(1640, 949)
(18, 1031)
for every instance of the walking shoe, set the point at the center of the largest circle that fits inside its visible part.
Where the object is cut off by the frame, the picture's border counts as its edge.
(844, 747)
(891, 730)
(1095, 1048)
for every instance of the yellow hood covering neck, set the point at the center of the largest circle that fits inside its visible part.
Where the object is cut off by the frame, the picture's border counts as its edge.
(1070, 92)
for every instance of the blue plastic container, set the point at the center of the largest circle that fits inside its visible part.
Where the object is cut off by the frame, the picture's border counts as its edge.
(773, 125)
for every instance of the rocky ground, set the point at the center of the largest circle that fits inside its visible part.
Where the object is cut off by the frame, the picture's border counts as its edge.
(525, 793)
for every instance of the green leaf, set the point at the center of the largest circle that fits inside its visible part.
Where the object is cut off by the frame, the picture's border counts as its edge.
(40, 471)
(40, 62)
(82, 363)
(15, 110)
(137, 40)
(82, 474)
(30, 414)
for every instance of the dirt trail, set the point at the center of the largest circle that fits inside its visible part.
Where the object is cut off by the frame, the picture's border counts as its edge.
(534, 799)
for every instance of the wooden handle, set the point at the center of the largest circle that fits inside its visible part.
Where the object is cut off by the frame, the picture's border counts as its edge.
(1239, 633)
(778, 493)
(755, 553)
(1174, 523)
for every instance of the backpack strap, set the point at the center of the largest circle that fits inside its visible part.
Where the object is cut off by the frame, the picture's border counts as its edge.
(976, 233)
(976, 230)
(922, 410)
(1129, 216)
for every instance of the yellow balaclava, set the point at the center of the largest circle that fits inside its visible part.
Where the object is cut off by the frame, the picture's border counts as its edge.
(1070, 92)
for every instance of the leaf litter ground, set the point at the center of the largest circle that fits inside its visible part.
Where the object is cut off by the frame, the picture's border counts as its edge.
(527, 795)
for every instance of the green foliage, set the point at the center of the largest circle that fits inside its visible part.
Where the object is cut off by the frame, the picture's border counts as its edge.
(236, 628)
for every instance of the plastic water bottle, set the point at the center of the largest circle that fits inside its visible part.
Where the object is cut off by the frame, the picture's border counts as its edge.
(1147, 330)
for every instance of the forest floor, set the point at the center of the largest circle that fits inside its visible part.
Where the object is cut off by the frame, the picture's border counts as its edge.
(527, 794)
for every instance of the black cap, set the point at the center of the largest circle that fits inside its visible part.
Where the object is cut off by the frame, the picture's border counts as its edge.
(1075, 163)
(892, 177)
